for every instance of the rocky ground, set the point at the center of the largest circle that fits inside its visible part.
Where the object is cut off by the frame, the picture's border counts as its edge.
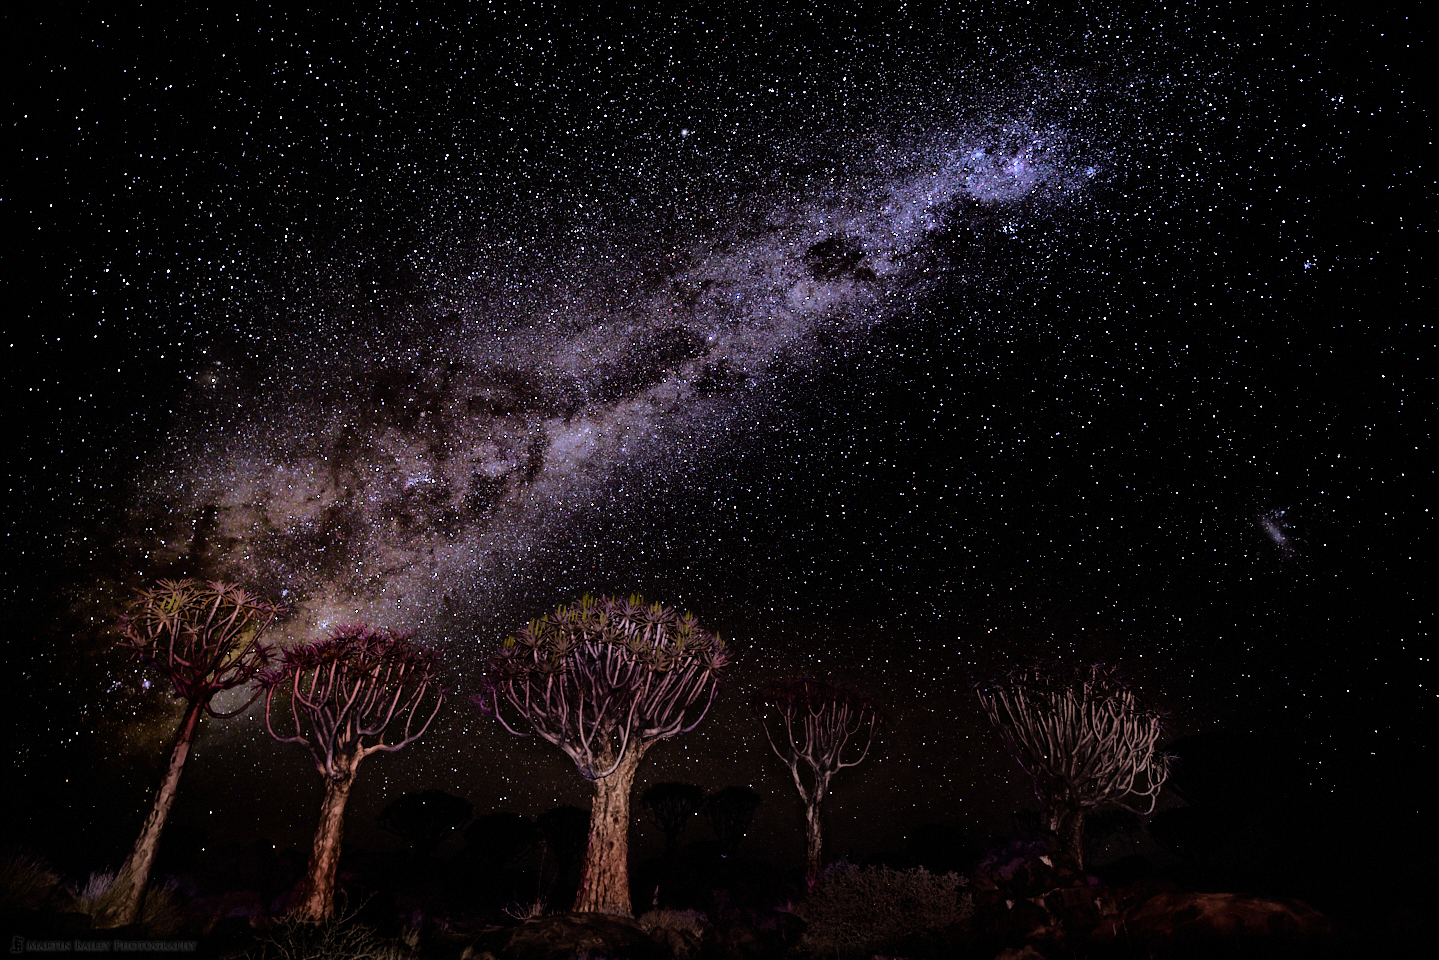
(1023, 901)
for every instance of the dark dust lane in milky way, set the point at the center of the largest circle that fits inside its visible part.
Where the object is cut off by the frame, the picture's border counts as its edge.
(409, 474)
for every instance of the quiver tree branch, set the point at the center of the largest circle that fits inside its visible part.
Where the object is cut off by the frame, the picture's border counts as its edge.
(357, 692)
(809, 724)
(1082, 736)
(206, 638)
(603, 679)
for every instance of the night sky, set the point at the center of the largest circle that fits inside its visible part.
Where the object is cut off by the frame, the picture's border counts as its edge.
(896, 345)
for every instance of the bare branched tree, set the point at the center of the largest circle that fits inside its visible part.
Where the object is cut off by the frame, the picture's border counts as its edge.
(730, 812)
(671, 805)
(1082, 736)
(205, 638)
(345, 692)
(425, 820)
(603, 680)
(815, 721)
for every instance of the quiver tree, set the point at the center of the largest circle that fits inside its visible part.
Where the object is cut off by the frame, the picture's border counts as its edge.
(205, 638)
(671, 805)
(425, 820)
(1082, 736)
(809, 724)
(345, 694)
(603, 680)
(730, 812)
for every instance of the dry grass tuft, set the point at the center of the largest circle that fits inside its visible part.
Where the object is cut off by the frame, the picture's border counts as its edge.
(26, 883)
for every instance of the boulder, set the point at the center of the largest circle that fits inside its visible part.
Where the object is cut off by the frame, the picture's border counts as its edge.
(681, 932)
(755, 935)
(1026, 952)
(1184, 925)
(249, 904)
(226, 938)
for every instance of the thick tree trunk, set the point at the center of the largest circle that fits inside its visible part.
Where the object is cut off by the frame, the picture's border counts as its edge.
(1067, 823)
(605, 878)
(126, 895)
(317, 897)
(814, 860)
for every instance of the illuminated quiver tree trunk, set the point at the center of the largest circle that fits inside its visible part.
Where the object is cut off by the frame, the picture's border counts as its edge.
(1082, 736)
(205, 638)
(603, 680)
(346, 693)
(814, 722)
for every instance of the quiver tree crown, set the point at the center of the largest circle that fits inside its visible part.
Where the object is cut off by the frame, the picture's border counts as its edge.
(814, 720)
(346, 690)
(205, 636)
(1079, 731)
(594, 675)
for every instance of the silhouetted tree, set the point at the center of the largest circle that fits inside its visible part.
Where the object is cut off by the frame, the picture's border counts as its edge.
(671, 805)
(424, 820)
(345, 691)
(496, 839)
(565, 833)
(1113, 822)
(815, 721)
(205, 638)
(603, 680)
(730, 812)
(1082, 736)
(1027, 821)
(1239, 793)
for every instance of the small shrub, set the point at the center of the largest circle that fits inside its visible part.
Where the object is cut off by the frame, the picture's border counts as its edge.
(26, 883)
(93, 896)
(853, 910)
(339, 938)
(93, 892)
(528, 911)
(161, 915)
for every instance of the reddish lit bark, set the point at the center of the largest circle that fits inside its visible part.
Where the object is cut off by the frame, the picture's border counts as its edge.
(814, 839)
(317, 895)
(126, 896)
(342, 690)
(605, 876)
